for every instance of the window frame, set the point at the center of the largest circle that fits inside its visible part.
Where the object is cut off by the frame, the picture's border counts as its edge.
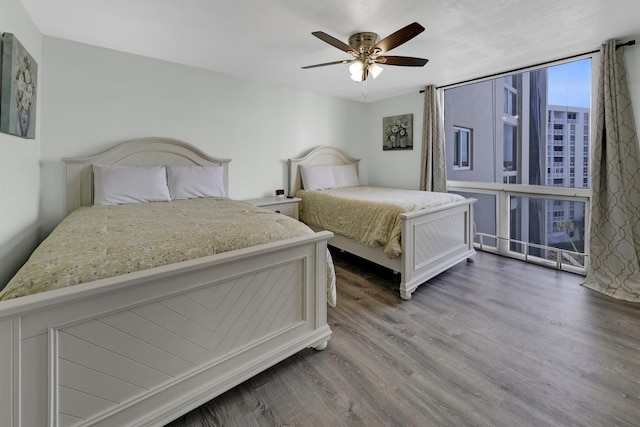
(501, 241)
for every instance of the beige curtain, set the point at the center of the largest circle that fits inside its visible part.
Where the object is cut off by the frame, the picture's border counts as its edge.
(432, 167)
(614, 267)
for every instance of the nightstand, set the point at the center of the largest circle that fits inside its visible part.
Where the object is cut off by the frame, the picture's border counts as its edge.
(281, 205)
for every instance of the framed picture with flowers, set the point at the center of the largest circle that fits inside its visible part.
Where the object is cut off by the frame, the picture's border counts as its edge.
(397, 132)
(18, 89)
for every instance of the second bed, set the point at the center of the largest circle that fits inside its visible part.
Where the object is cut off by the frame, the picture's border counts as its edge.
(415, 233)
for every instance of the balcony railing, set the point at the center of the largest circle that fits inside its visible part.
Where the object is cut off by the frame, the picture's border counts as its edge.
(498, 206)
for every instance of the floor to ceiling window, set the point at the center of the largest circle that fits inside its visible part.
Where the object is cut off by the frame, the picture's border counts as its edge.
(520, 145)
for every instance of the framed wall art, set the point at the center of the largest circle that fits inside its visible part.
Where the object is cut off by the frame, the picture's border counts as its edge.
(18, 91)
(397, 132)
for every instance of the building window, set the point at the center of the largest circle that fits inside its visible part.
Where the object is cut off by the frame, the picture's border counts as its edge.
(510, 102)
(461, 148)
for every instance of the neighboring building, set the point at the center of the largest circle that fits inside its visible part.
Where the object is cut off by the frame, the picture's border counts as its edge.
(567, 166)
(495, 132)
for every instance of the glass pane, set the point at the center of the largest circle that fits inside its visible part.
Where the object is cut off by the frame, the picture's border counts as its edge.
(484, 215)
(548, 222)
(514, 103)
(544, 142)
(510, 148)
(506, 101)
(456, 148)
(464, 149)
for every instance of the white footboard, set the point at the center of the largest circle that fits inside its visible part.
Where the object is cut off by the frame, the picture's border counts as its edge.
(147, 347)
(434, 240)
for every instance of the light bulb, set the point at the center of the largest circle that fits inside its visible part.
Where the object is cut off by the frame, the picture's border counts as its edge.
(375, 70)
(355, 68)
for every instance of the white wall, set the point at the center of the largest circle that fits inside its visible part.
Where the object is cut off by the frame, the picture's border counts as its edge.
(97, 97)
(19, 159)
(395, 168)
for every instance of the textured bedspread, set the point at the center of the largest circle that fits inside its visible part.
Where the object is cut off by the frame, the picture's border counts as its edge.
(367, 214)
(98, 242)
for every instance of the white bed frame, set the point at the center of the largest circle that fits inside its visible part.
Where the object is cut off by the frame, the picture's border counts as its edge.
(433, 239)
(146, 347)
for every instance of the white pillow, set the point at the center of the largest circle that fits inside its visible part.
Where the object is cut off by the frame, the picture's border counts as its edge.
(317, 177)
(191, 182)
(114, 185)
(346, 175)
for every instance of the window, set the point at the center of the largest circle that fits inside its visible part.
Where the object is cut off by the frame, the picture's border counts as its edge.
(461, 148)
(510, 104)
(529, 129)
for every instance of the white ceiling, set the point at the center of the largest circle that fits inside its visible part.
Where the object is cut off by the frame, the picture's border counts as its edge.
(271, 39)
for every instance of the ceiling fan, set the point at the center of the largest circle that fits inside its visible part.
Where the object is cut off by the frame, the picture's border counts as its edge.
(367, 50)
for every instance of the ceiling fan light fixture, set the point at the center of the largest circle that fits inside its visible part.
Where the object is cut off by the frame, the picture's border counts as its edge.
(368, 50)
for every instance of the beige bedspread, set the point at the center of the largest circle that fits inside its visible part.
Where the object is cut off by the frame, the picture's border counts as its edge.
(367, 214)
(98, 242)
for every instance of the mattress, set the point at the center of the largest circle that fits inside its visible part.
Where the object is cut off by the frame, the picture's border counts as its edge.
(98, 242)
(367, 214)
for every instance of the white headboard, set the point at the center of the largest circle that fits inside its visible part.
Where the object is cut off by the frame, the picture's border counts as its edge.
(136, 152)
(323, 155)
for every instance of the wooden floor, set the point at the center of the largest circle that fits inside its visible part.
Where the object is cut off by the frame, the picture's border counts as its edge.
(493, 343)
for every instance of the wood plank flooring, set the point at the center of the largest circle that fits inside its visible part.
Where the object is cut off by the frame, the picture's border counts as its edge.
(493, 343)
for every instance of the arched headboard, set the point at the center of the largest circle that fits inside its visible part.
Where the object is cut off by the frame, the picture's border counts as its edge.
(323, 155)
(136, 152)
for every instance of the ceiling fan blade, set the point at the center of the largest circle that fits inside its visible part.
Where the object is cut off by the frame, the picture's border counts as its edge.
(344, 61)
(332, 41)
(403, 61)
(396, 39)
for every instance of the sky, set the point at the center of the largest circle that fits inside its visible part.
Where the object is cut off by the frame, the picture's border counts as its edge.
(570, 84)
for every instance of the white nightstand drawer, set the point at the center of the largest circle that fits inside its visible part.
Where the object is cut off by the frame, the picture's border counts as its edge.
(288, 209)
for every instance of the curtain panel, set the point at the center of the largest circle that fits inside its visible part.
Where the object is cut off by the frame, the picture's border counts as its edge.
(433, 161)
(614, 267)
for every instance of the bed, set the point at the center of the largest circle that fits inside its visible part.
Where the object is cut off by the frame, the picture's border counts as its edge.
(431, 239)
(145, 347)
